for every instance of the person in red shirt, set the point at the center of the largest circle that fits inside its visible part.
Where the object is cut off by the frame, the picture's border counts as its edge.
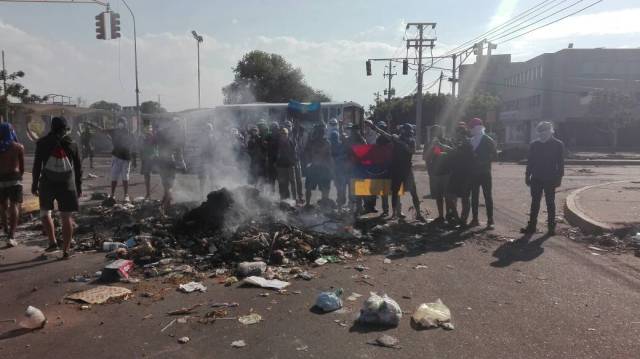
(11, 171)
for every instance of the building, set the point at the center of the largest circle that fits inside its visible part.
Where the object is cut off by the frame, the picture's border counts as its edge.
(567, 88)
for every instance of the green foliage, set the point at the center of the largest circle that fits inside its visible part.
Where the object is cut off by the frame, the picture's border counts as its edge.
(107, 106)
(264, 77)
(151, 107)
(16, 89)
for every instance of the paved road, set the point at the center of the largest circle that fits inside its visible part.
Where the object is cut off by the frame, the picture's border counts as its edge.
(547, 298)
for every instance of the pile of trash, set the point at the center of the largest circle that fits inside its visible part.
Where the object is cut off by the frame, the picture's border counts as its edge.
(619, 241)
(231, 226)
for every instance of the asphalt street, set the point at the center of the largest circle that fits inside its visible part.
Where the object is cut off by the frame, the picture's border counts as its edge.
(536, 298)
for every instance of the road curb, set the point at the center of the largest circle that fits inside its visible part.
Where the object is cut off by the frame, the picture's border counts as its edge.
(576, 217)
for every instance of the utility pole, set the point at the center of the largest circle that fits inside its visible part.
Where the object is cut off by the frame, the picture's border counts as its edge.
(199, 40)
(453, 78)
(390, 75)
(419, 44)
(135, 58)
(440, 83)
(4, 91)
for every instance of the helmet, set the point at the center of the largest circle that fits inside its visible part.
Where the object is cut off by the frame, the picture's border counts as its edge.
(406, 129)
(288, 125)
(381, 124)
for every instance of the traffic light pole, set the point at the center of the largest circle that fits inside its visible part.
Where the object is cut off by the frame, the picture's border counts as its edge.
(418, 43)
(135, 56)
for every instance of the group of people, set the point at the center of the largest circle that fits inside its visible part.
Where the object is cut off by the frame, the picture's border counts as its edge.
(458, 168)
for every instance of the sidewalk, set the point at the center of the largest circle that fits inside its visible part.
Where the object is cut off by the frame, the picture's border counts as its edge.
(604, 207)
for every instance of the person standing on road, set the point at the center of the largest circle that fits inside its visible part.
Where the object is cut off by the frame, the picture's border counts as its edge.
(383, 141)
(484, 153)
(86, 143)
(148, 149)
(404, 146)
(435, 157)
(545, 169)
(318, 165)
(123, 144)
(11, 172)
(340, 157)
(170, 139)
(285, 163)
(458, 163)
(57, 177)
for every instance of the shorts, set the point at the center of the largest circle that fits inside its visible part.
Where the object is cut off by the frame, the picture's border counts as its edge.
(11, 193)
(438, 185)
(146, 166)
(318, 177)
(120, 169)
(49, 192)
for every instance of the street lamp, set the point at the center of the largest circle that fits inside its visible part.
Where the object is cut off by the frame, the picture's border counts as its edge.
(198, 39)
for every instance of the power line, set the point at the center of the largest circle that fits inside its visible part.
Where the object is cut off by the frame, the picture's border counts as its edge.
(553, 22)
(503, 35)
(505, 24)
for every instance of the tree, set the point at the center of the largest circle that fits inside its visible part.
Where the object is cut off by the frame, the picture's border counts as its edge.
(264, 77)
(149, 107)
(107, 106)
(16, 90)
(613, 110)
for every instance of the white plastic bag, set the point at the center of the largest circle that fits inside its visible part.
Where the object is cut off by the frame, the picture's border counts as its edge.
(432, 315)
(33, 318)
(380, 310)
(329, 301)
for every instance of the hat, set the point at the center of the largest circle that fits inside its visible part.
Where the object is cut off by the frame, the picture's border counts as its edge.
(475, 122)
(58, 124)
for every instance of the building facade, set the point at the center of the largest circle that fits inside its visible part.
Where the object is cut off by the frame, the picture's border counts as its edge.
(563, 87)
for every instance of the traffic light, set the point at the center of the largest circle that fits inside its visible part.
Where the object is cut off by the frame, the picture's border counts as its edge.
(405, 66)
(100, 27)
(115, 25)
(368, 67)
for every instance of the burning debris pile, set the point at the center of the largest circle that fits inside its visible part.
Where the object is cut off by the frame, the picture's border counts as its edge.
(231, 226)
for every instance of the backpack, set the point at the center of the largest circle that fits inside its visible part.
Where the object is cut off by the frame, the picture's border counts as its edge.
(58, 167)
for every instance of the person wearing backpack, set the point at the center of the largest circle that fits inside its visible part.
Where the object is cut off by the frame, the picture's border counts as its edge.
(11, 171)
(57, 177)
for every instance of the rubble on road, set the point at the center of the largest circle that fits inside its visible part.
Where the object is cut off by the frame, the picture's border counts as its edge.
(432, 315)
(100, 295)
(380, 310)
(620, 241)
(386, 341)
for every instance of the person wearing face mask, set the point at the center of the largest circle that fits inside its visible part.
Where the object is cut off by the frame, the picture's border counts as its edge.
(484, 152)
(545, 169)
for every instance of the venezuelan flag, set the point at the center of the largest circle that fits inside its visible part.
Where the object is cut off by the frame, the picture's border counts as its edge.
(371, 175)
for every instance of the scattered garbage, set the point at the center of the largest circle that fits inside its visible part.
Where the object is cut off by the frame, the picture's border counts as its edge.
(266, 283)
(380, 310)
(184, 340)
(386, 341)
(116, 270)
(386, 261)
(320, 261)
(33, 319)
(192, 287)
(99, 196)
(329, 301)
(230, 281)
(112, 246)
(100, 294)
(247, 269)
(183, 310)
(433, 315)
(353, 297)
(250, 319)
(238, 344)
(305, 275)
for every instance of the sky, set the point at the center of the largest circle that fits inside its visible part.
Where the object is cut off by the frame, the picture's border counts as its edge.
(329, 40)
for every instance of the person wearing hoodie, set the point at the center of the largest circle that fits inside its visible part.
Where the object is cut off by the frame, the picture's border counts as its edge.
(484, 153)
(57, 177)
(11, 171)
(545, 169)
(286, 158)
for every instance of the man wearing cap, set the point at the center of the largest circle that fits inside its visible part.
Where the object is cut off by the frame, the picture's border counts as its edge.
(484, 153)
(57, 177)
(545, 169)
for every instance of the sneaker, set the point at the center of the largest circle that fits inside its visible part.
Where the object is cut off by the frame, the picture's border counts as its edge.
(474, 223)
(420, 218)
(491, 224)
(385, 214)
(11, 243)
(65, 256)
(52, 247)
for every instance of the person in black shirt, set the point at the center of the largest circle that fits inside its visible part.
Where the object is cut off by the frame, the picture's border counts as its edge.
(57, 177)
(404, 146)
(545, 169)
(459, 164)
(484, 153)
